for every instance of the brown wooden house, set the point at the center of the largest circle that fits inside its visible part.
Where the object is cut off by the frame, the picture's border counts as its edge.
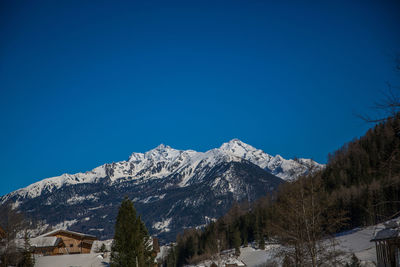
(60, 242)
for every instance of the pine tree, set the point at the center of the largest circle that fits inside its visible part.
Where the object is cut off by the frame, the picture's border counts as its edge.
(146, 244)
(355, 262)
(172, 258)
(131, 246)
(236, 241)
(27, 258)
(261, 241)
(103, 248)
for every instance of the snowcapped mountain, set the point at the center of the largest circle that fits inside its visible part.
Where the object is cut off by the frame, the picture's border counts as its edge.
(163, 161)
(278, 166)
(172, 189)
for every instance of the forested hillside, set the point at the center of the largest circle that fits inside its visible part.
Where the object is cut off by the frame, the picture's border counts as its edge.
(359, 186)
(363, 176)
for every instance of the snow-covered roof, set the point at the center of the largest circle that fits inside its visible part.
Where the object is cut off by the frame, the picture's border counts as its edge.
(50, 241)
(387, 233)
(59, 231)
(391, 230)
(234, 261)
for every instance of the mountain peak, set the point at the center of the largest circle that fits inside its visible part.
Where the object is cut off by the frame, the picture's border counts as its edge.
(156, 152)
(162, 147)
(164, 161)
(162, 152)
(236, 147)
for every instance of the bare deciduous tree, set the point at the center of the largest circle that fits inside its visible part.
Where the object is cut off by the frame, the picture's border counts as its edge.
(13, 223)
(389, 105)
(304, 224)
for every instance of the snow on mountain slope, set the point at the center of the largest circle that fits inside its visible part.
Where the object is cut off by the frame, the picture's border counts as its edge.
(50, 184)
(278, 166)
(163, 161)
(172, 189)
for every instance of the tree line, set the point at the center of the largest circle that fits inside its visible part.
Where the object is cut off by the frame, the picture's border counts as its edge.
(363, 176)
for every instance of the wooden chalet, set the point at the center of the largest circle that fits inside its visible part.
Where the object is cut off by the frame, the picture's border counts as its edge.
(59, 242)
(387, 242)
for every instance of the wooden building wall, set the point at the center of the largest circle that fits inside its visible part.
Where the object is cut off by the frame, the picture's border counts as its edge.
(75, 244)
(71, 244)
(45, 251)
(387, 253)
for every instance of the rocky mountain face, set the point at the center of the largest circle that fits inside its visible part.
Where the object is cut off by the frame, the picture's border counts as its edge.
(172, 189)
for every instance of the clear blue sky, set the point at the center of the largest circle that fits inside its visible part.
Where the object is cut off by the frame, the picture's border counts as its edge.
(84, 83)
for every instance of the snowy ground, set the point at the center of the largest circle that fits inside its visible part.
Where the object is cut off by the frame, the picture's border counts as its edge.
(76, 260)
(356, 241)
(256, 257)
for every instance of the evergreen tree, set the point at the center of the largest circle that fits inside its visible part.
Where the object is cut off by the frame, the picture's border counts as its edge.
(27, 258)
(103, 248)
(146, 244)
(236, 240)
(355, 262)
(131, 246)
(261, 241)
(172, 258)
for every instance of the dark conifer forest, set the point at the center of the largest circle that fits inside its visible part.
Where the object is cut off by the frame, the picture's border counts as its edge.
(363, 176)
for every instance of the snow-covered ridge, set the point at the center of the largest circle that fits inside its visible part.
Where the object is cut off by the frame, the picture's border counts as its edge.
(163, 161)
(283, 168)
